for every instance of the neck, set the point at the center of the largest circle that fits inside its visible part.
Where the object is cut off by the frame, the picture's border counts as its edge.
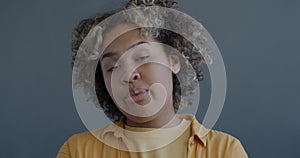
(158, 122)
(165, 118)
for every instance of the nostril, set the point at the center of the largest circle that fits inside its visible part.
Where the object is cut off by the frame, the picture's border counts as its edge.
(134, 77)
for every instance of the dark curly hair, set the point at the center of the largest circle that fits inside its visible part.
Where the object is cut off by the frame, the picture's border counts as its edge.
(185, 47)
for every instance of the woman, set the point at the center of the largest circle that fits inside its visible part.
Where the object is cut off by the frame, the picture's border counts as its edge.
(138, 86)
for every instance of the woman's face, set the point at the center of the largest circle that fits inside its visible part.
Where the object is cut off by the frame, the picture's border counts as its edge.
(138, 75)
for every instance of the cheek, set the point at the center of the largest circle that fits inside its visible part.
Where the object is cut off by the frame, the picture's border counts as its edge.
(109, 89)
(107, 84)
(114, 89)
(167, 78)
(160, 74)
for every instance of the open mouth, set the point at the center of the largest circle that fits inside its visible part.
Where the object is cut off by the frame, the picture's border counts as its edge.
(138, 95)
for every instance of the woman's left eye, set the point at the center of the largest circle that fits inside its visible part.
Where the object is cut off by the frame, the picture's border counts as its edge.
(143, 57)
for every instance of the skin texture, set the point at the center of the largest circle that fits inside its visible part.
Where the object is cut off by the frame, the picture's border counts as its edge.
(137, 63)
(176, 41)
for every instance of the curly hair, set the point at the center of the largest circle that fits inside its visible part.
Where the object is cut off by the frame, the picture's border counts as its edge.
(182, 45)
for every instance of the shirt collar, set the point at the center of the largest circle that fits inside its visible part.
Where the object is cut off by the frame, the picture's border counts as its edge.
(198, 130)
(117, 128)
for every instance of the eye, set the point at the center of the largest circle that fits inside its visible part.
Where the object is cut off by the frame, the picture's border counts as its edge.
(143, 57)
(113, 68)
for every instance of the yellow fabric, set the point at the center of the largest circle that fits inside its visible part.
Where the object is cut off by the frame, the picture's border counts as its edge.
(202, 143)
(176, 149)
(146, 139)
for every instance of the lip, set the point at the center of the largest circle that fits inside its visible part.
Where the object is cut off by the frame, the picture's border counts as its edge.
(139, 94)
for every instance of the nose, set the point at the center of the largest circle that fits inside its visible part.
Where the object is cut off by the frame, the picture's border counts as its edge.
(130, 78)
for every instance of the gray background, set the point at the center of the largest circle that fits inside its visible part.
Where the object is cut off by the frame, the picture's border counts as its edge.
(259, 41)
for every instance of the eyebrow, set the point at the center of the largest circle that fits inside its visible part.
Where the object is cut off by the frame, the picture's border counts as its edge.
(110, 54)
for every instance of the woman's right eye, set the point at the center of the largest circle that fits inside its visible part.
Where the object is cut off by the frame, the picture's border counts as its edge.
(112, 68)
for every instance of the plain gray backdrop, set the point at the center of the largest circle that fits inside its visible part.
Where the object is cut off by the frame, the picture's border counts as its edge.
(259, 41)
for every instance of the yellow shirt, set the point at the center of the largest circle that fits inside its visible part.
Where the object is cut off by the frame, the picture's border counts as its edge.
(202, 143)
(150, 140)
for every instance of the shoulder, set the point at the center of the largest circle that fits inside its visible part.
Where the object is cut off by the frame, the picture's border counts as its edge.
(81, 138)
(214, 136)
(77, 144)
(217, 143)
(95, 135)
(225, 143)
(89, 142)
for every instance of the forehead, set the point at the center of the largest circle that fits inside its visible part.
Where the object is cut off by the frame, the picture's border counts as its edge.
(124, 37)
(117, 32)
(125, 41)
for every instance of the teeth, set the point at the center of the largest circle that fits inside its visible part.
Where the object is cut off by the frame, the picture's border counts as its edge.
(137, 91)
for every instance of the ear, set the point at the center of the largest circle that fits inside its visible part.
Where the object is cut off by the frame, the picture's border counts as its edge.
(174, 63)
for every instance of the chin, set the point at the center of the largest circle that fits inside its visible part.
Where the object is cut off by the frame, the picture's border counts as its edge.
(139, 120)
